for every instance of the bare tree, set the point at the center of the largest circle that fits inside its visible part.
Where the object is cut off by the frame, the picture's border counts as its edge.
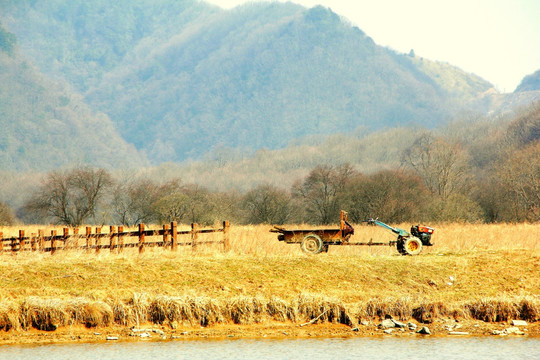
(525, 128)
(70, 197)
(443, 166)
(173, 207)
(171, 203)
(520, 176)
(200, 204)
(133, 201)
(321, 191)
(267, 204)
(392, 195)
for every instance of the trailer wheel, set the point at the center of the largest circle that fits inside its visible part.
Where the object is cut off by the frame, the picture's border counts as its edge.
(312, 244)
(409, 246)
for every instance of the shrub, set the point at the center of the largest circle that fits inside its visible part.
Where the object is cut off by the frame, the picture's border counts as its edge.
(6, 215)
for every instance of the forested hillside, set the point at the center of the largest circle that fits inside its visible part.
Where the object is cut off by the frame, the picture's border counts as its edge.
(45, 125)
(182, 78)
(81, 40)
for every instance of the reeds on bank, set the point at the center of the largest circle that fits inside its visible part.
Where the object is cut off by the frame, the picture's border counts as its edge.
(188, 311)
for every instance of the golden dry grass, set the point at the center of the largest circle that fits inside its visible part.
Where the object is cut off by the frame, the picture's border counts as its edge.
(257, 240)
(485, 272)
(453, 238)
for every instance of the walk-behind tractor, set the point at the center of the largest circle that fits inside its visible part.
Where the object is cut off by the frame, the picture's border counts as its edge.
(315, 241)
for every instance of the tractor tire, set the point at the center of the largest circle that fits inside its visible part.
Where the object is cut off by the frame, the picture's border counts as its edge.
(400, 246)
(312, 244)
(409, 246)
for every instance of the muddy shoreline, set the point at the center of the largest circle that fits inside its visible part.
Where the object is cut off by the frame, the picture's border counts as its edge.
(275, 330)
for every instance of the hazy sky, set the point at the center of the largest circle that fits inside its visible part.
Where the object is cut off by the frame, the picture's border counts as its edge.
(498, 40)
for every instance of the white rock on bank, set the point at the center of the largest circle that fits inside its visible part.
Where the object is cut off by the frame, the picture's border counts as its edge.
(518, 323)
(141, 335)
(399, 324)
(458, 333)
(387, 324)
(513, 331)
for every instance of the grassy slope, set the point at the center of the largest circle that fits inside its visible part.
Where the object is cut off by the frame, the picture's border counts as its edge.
(495, 271)
(484, 260)
(352, 278)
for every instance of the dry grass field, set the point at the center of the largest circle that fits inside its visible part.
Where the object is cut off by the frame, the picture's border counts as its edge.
(487, 273)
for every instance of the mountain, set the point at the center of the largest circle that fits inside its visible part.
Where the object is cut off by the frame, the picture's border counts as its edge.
(181, 78)
(530, 83)
(526, 94)
(262, 76)
(46, 126)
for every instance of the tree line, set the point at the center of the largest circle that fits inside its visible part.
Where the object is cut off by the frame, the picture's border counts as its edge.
(461, 174)
(432, 186)
(85, 195)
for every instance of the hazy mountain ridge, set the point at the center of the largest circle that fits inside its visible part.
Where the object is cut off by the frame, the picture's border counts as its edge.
(530, 82)
(302, 72)
(180, 78)
(462, 85)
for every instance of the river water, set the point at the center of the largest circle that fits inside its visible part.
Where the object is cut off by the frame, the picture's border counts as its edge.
(350, 348)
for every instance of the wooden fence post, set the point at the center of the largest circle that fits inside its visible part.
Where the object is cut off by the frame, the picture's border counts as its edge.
(53, 242)
(194, 235)
(1, 242)
(33, 241)
(88, 241)
(112, 238)
(141, 238)
(98, 239)
(120, 239)
(75, 242)
(66, 239)
(21, 240)
(226, 239)
(166, 235)
(13, 244)
(174, 236)
(41, 240)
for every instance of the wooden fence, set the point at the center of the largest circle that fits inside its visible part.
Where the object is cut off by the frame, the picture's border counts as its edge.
(116, 239)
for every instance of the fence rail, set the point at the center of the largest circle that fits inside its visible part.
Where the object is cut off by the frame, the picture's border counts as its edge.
(116, 239)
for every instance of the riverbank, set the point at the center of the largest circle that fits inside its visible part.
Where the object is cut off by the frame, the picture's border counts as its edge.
(117, 333)
(84, 297)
